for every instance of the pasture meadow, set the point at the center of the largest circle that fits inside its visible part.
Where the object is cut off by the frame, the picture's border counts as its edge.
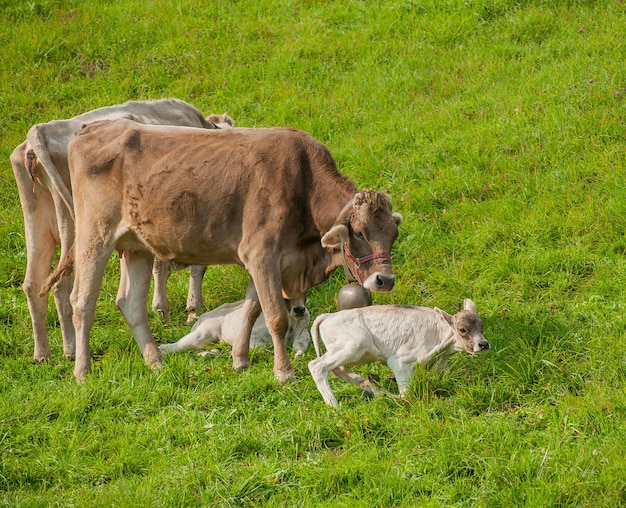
(498, 128)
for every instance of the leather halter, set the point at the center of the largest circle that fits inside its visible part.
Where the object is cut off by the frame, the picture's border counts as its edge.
(354, 276)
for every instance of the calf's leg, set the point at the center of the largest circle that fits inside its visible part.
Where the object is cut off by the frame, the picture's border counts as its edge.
(403, 372)
(319, 371)
(208, 332)
(349, 376)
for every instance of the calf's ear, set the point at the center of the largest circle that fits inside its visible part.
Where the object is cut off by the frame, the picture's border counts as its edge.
(336, 237)
(444, 316)
(397, 218)
(469, 305)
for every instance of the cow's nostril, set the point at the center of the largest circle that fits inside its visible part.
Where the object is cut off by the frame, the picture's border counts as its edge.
(299, 310)
(380, 282)
(483, 345)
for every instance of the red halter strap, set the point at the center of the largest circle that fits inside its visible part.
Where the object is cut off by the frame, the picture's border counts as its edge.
(358, 262)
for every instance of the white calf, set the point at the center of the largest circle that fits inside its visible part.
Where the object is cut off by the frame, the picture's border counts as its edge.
(400, 336)
(224, 323)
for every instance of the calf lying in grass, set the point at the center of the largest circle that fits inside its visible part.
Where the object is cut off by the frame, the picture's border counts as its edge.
(224, 322)
(400, 336)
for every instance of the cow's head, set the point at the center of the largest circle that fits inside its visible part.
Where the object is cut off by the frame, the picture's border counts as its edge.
(467, 328)
(365, 231)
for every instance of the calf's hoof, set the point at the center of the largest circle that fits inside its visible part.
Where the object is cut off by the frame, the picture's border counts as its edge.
(192, 317)
(210, 352)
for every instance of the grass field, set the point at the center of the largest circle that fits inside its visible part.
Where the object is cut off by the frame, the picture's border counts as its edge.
(497, 127)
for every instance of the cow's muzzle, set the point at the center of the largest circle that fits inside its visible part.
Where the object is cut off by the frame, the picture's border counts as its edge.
(380, 282)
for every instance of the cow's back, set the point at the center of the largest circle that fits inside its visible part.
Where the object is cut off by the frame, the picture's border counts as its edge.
(158, 112)
(200, 196)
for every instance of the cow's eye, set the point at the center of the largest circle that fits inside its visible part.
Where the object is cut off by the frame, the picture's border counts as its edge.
(359, 235)
(463, 331)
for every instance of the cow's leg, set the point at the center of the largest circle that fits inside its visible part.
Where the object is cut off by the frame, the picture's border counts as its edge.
(41, 241)
(62, 293)
(132, 299)
(39, 254)
(89, 267)
(161, 271)
(63, 288)
(351, 377)
(194, 295)
(250, 310)
(268, 286)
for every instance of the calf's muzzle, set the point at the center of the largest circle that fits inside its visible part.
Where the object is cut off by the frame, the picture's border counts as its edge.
(483, 346)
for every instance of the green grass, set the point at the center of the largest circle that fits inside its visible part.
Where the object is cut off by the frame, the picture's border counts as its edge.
(498, 129)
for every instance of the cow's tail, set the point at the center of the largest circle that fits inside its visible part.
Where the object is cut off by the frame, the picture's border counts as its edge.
(315, 332)
(38, 152)
(64, 269)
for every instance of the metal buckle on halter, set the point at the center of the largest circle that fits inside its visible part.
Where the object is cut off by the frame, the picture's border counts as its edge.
(358, 262)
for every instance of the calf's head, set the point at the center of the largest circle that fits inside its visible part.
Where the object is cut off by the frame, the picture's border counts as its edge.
(297, 308)
(467, 328)
(365, 231)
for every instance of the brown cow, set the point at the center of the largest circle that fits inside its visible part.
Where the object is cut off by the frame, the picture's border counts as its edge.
(259, 198)
(41, 171)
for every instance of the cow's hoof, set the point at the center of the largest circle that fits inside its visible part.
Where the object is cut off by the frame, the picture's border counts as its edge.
(284, 375)
(152, 356)
(192, 317)
(69, 356)
(42, 357)
(240, 365)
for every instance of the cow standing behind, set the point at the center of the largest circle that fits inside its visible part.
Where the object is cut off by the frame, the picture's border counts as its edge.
(269, 200)
(400, 336)
(41, 170)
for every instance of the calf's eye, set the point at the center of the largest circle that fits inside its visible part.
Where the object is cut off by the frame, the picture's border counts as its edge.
(359, 235)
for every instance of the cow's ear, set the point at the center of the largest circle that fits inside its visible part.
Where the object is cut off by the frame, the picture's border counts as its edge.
(444, 316)
(469, 305)
(397, 218)
(336, 237)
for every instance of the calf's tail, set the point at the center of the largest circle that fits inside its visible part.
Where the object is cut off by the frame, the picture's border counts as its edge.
(63, 269)
(315, 332)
